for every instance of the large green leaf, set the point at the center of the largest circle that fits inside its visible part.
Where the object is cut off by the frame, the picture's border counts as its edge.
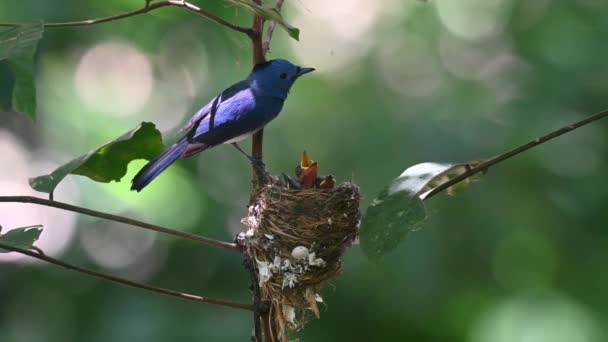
(24, 237)
(24, 88)
(6, 87)
(268, 13)
(398, 209)
(20, 40)
(17, 47)
(387, 221)
(108, 162)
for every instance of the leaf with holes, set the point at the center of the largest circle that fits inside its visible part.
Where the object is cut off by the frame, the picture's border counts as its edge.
(108, 162)
(268, 13)
(24, 237)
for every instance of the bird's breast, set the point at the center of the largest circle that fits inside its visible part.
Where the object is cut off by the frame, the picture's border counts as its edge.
(241, 137)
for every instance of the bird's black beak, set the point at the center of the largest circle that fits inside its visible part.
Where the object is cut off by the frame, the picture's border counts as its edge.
(305, 71)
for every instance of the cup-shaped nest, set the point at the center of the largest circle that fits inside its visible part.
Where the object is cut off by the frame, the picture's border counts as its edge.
(296, 240)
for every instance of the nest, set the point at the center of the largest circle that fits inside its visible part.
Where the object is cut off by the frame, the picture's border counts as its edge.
(296, 240)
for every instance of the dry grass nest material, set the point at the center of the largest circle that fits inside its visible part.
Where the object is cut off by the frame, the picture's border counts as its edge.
(297, 239)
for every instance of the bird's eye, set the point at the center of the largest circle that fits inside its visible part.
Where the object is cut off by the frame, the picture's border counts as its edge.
(283, 76)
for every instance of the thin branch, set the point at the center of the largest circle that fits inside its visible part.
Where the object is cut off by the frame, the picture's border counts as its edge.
(41, 256)
(271, 26)
(257, 29)
(148, 7)
(214, 18)
(121, 219)
(504, 156)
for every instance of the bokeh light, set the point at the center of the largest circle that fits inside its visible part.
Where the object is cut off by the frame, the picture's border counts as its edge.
(114, 78)
(409, 66)
(331, 43)
(537, 317)
(519, 255)
(181, 72)
(58, 225)
(121, 248)
(473, 19)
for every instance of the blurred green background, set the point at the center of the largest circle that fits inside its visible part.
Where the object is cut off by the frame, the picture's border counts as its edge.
(520, 256)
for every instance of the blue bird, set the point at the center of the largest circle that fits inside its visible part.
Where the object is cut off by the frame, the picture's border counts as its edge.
(236, 113)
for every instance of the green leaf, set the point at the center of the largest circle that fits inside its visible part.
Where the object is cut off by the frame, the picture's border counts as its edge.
(24, 237)
(268, 13)
(422, 178)
(6, 87)
(24, 88)
(398, 209)
(17, 46)
(20, 40)
(108, 162)
(388, 220)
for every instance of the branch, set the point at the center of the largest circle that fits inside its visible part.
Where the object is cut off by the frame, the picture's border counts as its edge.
(257, 30)
(148, 7)
(490, 162)
(190, 7)
(38, 254)
(116, 218)
(271, 27)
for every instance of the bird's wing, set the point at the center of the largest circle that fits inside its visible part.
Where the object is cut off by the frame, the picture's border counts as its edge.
(210, 107)
(234, 117)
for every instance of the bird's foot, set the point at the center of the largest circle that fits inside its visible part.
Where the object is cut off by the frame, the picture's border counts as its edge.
(258, 163)
(260, 168)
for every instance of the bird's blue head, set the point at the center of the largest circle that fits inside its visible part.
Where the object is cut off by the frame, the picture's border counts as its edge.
(275, 77)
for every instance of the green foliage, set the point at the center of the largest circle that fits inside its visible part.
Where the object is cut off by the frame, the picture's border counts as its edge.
(24, 88)
(398, 209)
(108, 162)
(392, 215)
(17, 48)
(399, 89)
(269, 13)
(24, 237)
(20, 40)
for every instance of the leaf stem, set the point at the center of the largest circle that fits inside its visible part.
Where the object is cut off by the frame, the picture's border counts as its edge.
(506, 155)
(121, 219)
(38, 254)
(271, 26)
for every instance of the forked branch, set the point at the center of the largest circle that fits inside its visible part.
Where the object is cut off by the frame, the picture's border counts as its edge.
(147, 8)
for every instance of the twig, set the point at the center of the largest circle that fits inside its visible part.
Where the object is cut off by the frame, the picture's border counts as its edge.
(121, 219)
(41, 256)
(271, 26)
(214, 18)
(490, 162)
(148, 7)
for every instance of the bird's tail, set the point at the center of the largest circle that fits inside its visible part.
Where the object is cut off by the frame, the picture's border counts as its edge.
(158, 165)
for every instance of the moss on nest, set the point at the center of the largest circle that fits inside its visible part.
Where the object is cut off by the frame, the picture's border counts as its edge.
(319, 224)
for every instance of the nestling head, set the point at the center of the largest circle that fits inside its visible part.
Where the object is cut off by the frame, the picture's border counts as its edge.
(275, 77)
